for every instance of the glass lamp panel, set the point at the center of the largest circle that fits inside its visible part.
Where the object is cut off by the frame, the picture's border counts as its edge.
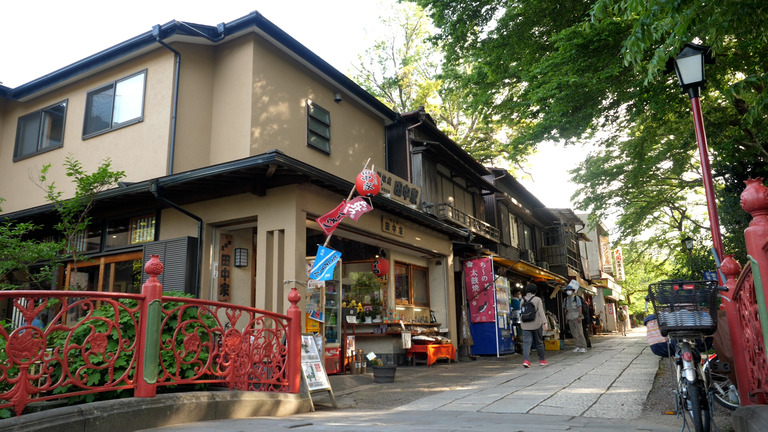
(690, 69)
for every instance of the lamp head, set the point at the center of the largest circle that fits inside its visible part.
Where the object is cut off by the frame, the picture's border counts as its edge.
(689, 67)
(688, 243)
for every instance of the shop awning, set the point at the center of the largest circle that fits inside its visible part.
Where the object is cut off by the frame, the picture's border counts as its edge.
(611, 289)
(528, 269)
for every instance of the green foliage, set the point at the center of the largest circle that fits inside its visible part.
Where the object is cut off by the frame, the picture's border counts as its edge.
(403, 70)
(19, 251)
(592, 72)
(29, 262)
(74, 211)
(127, 330)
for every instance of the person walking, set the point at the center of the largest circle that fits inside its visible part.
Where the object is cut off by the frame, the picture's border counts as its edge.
(534, 323)
(574, 316)
(622, 316)
(586, 323)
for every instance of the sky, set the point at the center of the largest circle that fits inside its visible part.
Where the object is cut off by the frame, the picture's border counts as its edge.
(37, 38)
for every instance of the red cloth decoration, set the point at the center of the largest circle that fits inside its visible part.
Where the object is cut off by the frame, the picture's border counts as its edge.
(368, 183)
(380, 266)
(329, 221)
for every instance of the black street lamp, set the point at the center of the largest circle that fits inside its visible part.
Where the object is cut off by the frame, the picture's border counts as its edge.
(689, 67)
(688, 243)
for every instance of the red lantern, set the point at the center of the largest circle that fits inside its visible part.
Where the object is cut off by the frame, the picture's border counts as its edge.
(368, 183)
(380, 266)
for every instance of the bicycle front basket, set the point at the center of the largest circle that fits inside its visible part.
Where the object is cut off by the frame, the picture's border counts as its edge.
(685, 306)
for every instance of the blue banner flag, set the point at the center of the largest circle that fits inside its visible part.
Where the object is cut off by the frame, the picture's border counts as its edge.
(325, 263)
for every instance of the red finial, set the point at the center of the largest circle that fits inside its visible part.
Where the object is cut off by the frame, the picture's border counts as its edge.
(153, 267)
(754, 199)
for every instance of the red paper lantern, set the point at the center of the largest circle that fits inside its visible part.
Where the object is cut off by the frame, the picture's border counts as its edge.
(380, 266)
(368, 183)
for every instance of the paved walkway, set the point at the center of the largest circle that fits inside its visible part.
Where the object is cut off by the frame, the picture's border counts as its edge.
(601, 390)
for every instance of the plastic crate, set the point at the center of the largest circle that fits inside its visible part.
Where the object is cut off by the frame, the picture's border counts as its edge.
(685, 306)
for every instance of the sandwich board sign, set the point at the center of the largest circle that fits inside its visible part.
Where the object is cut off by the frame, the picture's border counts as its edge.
(313, 370)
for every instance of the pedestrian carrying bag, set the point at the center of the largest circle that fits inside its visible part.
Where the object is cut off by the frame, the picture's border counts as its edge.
(527, 311)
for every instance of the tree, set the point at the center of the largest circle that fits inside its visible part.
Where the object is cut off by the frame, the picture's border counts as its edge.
(593, 71)
(75, 211)
(20, 251)
(403, 70)
(31, 262)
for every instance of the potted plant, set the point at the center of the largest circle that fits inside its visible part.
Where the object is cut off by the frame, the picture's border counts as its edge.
(383, 373)
(376, 308)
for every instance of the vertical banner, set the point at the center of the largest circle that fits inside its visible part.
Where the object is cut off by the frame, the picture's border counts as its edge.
(618, 258)
(605, 255)
(478, 279)
(225, 267)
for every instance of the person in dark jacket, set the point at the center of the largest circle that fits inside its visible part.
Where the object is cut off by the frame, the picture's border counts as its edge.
(586, 323)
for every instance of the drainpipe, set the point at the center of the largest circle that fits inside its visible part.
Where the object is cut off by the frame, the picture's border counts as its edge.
(174, 113)
(155, 189)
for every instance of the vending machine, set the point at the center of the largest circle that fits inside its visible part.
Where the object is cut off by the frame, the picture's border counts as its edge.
(487, 297)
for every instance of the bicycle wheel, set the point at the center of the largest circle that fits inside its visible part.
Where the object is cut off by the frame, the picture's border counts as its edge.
(697, 407)
(724, 392)
(723, 389)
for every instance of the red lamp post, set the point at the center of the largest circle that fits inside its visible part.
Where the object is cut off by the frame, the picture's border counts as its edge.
(689, 67)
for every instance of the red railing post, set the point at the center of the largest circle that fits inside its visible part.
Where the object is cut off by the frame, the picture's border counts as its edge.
(731, 269)
(293, 368)
(149, 331)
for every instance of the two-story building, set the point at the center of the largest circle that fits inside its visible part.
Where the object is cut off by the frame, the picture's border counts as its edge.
(234, 139)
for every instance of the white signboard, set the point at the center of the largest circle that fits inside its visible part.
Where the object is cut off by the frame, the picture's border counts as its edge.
(618, 258)
(312, 365)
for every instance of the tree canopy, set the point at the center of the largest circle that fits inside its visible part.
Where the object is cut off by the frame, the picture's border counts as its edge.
(593, 71)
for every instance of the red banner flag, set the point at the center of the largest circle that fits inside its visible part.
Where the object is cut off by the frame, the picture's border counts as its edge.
(356, 208)
(329, 221)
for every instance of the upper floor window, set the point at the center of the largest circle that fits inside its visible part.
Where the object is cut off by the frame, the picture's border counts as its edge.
(513, 230)
(117, 104)
(318, 127)
(40, 131)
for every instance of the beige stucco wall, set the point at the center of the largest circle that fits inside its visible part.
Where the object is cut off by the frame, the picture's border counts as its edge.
(195, 107)
(279, 116)
(141, 149)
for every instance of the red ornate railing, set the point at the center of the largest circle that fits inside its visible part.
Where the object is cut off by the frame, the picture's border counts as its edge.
(94, 342)
(747, 318)
(746, 334)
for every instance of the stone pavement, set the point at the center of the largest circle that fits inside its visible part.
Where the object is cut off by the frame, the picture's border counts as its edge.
(601, 390)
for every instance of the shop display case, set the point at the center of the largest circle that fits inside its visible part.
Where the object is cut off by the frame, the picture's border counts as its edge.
(332, 291)
(322, 314)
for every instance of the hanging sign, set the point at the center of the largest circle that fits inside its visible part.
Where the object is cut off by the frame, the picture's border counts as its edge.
(329, 221)
(478, 279)
(356, 208)
(380, 266)
(618, 258)
(398, 189)
(325, 263)
(368, 183)
(225, 267)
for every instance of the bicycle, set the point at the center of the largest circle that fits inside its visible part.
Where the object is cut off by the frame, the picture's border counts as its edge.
(686, 313)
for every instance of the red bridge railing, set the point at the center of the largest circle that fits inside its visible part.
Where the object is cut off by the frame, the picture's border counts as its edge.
(94, 342)
(747, 315)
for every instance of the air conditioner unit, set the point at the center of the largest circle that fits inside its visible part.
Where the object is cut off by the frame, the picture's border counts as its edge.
(543, 264)
(527, 255)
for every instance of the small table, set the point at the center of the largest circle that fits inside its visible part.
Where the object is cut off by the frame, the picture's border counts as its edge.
(433, 352)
